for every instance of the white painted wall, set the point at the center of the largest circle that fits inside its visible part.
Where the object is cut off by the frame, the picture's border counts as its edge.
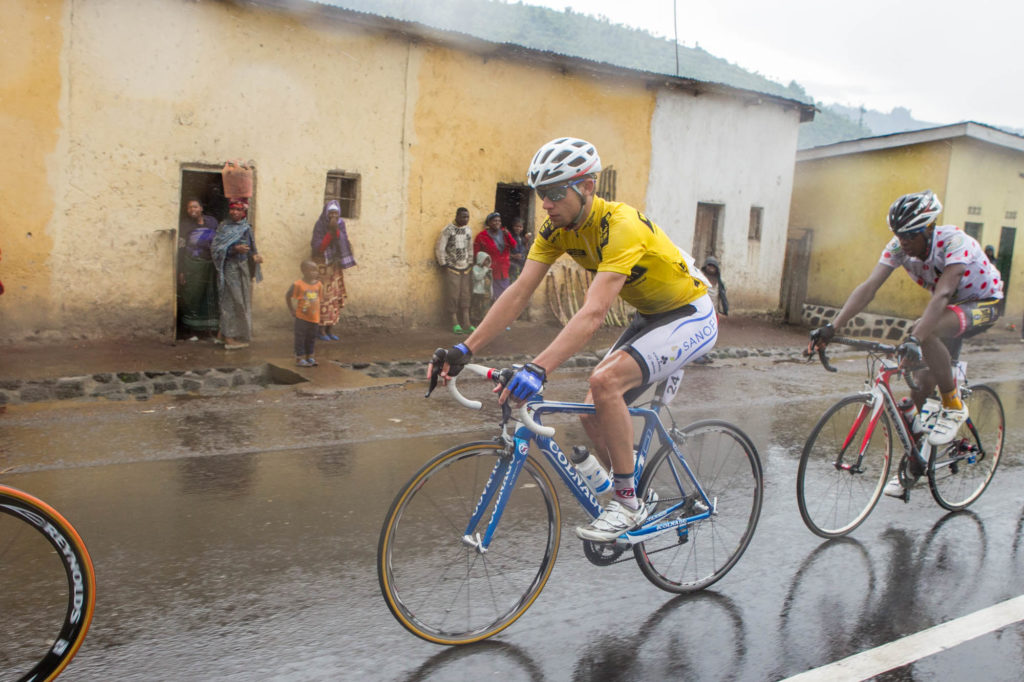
(715, 149)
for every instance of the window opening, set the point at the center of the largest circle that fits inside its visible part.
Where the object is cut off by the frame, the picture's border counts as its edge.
(606, 183)
(974, 230)
(756, 216)
(705, 233)
(343, 187)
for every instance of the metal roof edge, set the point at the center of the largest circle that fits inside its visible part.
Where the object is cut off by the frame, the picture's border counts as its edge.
(970, 129)
(450, 38)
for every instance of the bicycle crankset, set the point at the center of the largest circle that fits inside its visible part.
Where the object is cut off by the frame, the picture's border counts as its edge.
(602, 553)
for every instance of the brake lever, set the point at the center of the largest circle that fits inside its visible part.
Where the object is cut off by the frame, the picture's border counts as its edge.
(436, 363)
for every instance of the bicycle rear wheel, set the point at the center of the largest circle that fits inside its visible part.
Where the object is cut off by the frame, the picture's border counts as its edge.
(443, 589)
(959, 472)
(835, 493)
(725, 462)
(48, 588)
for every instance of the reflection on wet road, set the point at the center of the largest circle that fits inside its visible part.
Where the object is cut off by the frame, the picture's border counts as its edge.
(236, 540)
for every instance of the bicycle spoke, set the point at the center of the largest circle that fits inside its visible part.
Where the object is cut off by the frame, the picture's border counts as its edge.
(833, 499)
(445, 590)
(727, 468)
(959, 472)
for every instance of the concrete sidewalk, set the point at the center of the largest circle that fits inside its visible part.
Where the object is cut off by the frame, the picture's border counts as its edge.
(42, 360)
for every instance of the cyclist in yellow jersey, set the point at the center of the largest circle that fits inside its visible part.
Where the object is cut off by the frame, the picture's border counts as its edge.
(631, 257)
(618, 238)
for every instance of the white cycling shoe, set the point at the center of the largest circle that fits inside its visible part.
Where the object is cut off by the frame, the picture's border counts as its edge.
(615, 520)
(946, 425)
(894, 488)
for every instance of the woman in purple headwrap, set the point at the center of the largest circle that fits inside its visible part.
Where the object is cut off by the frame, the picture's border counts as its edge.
(332, 253)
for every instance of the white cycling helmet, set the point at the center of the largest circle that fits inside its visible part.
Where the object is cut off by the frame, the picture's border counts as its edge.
(913, 212)
(562, 160)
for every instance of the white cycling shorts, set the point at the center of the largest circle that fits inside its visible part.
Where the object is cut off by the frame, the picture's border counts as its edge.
(664, 343)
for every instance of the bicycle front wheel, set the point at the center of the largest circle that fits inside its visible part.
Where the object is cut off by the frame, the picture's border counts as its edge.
(725, 463)
(836, 487)
(444, 589)
(48, 588)
(959, 471)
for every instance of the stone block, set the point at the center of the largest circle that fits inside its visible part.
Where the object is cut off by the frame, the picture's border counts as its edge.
(164, 386)
(34, 393)
(69, 388)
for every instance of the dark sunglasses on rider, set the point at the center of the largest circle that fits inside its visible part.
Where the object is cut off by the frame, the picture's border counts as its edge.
(556, 192)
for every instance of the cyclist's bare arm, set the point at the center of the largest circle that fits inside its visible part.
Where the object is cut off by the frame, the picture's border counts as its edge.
(599, 299)
(945, 288)
(859, 298)
(503, 311)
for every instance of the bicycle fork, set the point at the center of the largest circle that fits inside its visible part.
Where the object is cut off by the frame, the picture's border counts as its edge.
(502, 481)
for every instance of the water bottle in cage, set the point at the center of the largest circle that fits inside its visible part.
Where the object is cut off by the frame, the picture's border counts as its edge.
(591, 470)
(910, 415)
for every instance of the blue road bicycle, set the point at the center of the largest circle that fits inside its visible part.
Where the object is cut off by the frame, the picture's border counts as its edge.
(470, 541)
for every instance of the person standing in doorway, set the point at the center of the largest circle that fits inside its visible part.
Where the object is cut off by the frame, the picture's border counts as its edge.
(454, 255)
(197, 277)
(238, 264)
(498, 243)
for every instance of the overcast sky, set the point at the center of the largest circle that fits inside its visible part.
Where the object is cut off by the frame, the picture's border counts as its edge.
(947, 61)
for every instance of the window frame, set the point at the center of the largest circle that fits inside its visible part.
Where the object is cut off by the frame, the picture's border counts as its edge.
(348, 201)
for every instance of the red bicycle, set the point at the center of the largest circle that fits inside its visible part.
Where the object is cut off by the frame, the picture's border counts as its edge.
(846, 460)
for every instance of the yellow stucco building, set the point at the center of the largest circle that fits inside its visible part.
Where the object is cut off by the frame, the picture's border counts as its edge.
(842, 193)
(114, 112)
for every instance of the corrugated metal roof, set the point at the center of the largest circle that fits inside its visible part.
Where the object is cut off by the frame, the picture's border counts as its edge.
(531, 27)
(971, 129)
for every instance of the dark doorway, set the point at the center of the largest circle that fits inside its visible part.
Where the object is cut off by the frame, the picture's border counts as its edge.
(794, 275)
(512, 201)
(1004, 259)
(705, 233)
(206, 186)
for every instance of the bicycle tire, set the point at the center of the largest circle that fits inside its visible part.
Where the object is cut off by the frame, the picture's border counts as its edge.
(723, 459)
(956, 481)
(833, 501)
(50, 596)
(430, 578)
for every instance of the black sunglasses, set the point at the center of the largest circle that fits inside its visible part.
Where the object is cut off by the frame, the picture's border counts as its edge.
(556, 192)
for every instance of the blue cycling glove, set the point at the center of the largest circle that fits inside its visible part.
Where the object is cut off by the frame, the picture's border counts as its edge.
(527, 381)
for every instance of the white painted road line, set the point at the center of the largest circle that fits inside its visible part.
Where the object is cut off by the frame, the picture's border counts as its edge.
(868, 664)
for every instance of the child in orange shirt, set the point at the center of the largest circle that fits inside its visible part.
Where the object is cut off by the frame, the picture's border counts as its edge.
(303, 299)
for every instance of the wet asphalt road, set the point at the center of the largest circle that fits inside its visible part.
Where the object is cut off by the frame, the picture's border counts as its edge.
(235, 539)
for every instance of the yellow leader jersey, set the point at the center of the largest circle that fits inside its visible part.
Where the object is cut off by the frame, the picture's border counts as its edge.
(618, 238)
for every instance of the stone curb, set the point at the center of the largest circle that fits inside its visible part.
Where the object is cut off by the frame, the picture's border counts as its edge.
(133, 385)
(217, 381)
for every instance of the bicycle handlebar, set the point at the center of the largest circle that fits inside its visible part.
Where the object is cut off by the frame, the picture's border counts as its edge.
(870, 346)
(490, 373)
(860, 344)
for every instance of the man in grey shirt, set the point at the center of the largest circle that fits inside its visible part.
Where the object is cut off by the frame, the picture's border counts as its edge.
(454, 253)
